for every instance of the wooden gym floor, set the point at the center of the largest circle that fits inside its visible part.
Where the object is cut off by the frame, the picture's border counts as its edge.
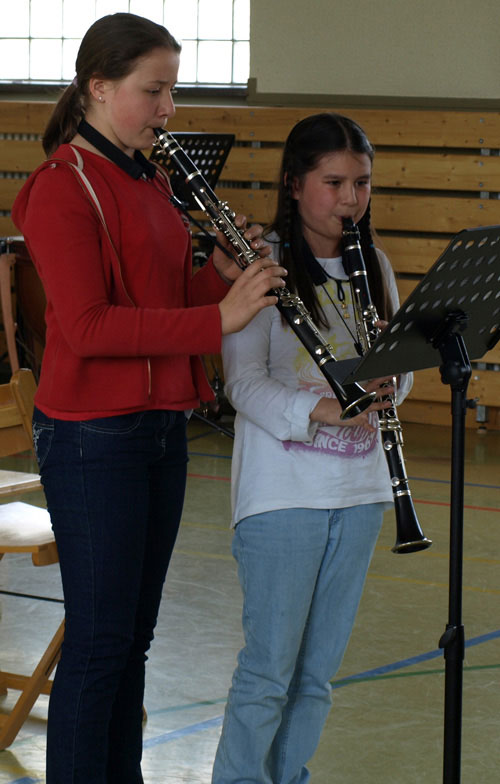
(386, 724)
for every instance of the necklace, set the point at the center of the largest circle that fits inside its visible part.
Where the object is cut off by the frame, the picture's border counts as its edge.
(343, 311)
(320, 277)
(340, 296)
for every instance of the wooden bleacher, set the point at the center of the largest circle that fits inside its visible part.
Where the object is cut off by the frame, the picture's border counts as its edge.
(435, 173)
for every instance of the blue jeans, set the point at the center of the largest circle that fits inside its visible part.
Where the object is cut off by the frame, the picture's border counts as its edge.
(302, 573)
(115, 489)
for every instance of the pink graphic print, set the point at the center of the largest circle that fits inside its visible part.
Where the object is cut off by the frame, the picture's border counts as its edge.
(345, 441)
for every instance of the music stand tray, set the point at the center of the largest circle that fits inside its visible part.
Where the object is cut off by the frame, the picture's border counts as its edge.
(208, 151)
(465, 279)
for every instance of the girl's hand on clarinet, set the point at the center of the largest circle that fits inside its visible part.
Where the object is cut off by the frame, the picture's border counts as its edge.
(250, 293)
(328, 409)
(229, 270)
(382, 386)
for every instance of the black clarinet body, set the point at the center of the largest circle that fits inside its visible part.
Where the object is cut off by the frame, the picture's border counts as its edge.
(410, 537)
(352, 397)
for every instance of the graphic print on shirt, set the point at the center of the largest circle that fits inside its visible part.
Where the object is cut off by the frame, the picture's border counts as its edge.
(345, 441)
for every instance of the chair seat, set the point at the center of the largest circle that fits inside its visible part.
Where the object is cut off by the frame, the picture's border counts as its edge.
(26, 529)
(15, 482)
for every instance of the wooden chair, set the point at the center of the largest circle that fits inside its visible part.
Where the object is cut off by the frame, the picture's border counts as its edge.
(7, 261)
(25, 329)
(23, 529)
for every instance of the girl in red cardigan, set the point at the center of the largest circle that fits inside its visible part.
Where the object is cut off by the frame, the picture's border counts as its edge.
(126, 322)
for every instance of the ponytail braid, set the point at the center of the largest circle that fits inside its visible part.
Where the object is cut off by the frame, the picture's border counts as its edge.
(288, 226)
(65, 119)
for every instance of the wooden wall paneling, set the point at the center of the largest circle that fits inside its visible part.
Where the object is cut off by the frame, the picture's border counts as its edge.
(412, 255)
(491, 357)
(9, 188)
(20, 155)
(432, 177)
(444, 215)
(258, 205)
(7, 228)
(24, 116)
(436, 170)
(424, 412)
(391, 127)
(400, 127)
(392, 169)
(250, 164)
(484, 384)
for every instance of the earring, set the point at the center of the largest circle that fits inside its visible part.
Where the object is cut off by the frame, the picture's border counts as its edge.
(100, 97)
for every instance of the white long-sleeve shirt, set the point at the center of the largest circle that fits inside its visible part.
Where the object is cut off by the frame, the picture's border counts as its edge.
(281, 459)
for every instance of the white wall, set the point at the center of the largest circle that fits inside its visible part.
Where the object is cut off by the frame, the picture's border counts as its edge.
(411, 48)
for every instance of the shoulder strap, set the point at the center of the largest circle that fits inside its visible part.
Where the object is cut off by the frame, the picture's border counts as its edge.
(79, 170)
(88, 189)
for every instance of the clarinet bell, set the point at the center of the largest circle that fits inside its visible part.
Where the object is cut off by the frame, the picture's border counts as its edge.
(354, 404)
(409, 536)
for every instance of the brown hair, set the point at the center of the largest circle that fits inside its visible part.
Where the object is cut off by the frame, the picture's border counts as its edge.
(109, 49)
(308, 141)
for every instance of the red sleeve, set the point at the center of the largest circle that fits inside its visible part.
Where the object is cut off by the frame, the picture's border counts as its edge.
(207, 285)
(67, 244)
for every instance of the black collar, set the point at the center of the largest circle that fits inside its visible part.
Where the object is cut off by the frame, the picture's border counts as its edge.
(136, 167)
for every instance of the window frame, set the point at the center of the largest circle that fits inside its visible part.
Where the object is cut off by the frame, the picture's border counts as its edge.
(198, 88)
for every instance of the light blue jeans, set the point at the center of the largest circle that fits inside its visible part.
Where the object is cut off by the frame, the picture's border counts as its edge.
(302, 573)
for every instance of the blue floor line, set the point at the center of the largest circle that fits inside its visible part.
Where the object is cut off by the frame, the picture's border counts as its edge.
(182, 733)
(217, 721)
(26, 780)
(412, 660)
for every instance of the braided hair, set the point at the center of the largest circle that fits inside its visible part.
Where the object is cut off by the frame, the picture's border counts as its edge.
(309, 140)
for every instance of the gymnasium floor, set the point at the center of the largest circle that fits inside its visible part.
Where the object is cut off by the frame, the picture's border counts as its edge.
(386, 725)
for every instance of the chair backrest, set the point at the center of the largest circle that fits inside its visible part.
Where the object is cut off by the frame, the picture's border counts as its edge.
(30, 311)
(16, 411)
(24, 319)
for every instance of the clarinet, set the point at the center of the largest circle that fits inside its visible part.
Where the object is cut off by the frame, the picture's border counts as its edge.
(352, 397)
(410, 537)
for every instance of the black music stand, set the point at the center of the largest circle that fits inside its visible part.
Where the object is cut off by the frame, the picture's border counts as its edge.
(452, 314)
(208, 151)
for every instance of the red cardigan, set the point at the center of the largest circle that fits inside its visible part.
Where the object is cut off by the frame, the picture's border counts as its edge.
(124, 329)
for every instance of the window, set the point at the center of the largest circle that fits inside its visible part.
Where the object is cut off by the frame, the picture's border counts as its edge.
(39, 39)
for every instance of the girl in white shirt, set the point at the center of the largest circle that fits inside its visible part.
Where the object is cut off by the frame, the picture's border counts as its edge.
(308, 490)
